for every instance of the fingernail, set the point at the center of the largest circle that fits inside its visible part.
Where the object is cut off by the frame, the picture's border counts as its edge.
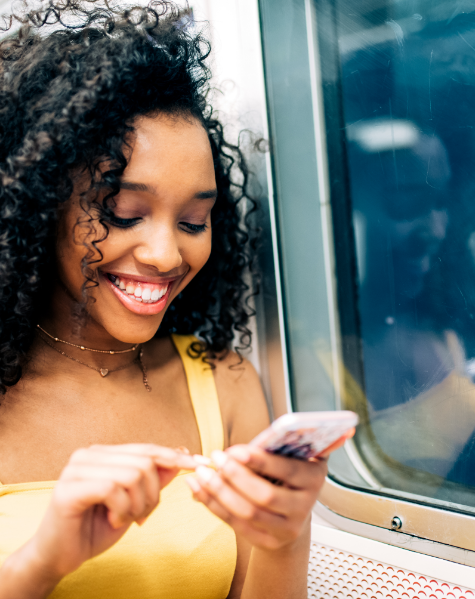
(193, 484)
(201, 459)
(182, 449)
(205, 474)
(241, 453)
(219, 458)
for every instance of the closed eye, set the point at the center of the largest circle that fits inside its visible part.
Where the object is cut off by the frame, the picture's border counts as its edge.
(194, 228)
(122, 223)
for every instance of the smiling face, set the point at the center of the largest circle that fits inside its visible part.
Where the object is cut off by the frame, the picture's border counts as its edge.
(159, 236)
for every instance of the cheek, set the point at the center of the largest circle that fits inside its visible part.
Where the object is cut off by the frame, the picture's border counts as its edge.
(197, 251)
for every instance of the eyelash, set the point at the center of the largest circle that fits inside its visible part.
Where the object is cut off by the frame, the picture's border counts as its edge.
(127, 223)
(122, 223)
(194, 229)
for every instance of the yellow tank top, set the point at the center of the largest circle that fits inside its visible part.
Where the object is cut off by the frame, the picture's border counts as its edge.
(182, 551)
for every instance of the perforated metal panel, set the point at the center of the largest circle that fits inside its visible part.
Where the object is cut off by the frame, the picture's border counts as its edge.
(336, 574)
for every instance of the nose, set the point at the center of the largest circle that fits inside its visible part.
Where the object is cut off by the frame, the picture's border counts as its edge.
(159, 248)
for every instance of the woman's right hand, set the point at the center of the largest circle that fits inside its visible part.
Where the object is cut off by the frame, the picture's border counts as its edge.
(101, 491)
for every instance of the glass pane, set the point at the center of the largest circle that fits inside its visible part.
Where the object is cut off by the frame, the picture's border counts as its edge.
(407, 80)
(298, 209)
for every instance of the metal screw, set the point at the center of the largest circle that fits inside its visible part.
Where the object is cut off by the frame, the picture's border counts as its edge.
(396, 523)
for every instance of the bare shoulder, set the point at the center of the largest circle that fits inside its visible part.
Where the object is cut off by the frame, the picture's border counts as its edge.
(243, 405)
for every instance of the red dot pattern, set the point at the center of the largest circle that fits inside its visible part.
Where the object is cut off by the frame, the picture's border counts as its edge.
(335, 574)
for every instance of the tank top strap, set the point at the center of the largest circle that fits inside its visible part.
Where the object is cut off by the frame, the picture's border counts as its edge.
(203, 394)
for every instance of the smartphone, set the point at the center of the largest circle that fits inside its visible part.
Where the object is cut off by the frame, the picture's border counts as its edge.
(305, 435)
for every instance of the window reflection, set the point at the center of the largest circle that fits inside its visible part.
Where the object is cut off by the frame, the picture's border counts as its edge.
(408, 77)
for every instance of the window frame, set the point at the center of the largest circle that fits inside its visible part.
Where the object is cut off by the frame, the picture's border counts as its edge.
(367, 512)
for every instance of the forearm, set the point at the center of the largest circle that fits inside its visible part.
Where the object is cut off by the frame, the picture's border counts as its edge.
(279, 574)
(23, 576)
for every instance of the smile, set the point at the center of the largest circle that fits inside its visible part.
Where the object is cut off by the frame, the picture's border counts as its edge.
(145, 298)
(147, 293)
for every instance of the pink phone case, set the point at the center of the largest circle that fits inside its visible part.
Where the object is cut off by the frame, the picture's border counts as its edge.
(305, 435)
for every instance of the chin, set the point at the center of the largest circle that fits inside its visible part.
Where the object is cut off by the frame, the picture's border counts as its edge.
(134, 332)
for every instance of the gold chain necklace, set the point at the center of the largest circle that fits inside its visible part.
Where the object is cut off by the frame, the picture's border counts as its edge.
(97, 351)
(105, 371)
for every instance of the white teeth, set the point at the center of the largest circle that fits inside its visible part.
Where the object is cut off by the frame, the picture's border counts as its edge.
(140, 294)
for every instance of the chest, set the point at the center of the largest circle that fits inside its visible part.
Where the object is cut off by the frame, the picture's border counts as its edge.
(42, 424)
(194, 544)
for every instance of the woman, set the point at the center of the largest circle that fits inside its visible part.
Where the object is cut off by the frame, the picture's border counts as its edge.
(114, 173)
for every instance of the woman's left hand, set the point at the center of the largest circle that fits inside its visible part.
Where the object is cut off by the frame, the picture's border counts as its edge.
(268, 515)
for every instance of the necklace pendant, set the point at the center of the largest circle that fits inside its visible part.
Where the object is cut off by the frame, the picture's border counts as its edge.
(104, 372)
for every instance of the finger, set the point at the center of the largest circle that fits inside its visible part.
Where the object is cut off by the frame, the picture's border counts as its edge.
(97, 457)
(75, 497)
(120, 507)
(200, 494)
(95, 460)
(202, 460)
(164, 456)
(296, 474)
(256, 489)
(338, 443)
(255, 536)
(130, 479)
(234, 503)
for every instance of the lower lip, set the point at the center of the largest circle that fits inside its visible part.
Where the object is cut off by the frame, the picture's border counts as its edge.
(139, 307)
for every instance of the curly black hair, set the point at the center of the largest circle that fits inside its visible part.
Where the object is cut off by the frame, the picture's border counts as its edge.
(73, 79)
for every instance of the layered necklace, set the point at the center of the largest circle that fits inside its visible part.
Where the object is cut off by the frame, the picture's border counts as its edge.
(102, 371)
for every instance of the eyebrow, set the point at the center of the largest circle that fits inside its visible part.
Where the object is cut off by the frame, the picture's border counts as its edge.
(209, 194)
(137, 186)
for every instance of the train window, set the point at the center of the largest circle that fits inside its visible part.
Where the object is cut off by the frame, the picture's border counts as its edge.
(372, 122)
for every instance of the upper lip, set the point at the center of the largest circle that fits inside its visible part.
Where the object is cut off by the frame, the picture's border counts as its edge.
(140, 279)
